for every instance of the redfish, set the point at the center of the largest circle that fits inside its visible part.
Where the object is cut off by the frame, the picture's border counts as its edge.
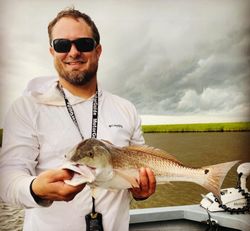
(102, 164)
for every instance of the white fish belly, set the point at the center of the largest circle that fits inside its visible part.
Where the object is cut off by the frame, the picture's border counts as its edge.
(180, 173)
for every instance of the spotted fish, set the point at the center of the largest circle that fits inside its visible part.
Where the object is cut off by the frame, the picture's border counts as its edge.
(102, 164)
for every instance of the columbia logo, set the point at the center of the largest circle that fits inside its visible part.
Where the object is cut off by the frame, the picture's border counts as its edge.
(115, 126)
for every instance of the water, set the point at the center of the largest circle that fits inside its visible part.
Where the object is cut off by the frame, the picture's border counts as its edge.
(11, 218)
(196, 150)
(193, 149)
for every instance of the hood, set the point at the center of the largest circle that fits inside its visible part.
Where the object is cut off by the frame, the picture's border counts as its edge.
(44, 91)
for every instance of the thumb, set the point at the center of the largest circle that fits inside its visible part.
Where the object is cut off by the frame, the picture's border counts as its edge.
(60, 175)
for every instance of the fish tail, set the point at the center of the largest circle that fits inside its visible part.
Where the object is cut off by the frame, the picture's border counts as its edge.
(215, 175)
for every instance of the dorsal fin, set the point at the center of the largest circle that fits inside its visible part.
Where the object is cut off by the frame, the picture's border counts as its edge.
(106, 141)
(152, 151)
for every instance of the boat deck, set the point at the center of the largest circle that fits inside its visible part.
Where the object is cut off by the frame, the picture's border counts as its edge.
(190, 217)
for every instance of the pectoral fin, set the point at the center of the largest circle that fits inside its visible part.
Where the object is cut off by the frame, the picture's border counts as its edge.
(130, 176)
(121, 179)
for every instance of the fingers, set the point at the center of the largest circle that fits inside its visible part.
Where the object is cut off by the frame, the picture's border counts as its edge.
(147, 180)
(50, 186)
(151, 181)
(147, 184)
(60, 175)
(67, 192)
(143, 179)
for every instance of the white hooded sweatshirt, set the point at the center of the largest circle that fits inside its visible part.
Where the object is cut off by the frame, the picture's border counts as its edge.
(38, 132)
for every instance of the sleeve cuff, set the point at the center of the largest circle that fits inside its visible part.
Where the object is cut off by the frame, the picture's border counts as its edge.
(37, 199)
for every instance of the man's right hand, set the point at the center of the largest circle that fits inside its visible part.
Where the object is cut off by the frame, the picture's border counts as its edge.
(50, 185)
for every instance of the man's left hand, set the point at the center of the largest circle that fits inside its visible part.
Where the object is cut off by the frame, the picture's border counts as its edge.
(147, 183)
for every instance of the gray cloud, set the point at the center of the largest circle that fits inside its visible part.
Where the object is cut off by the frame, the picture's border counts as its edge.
(167, 57)
(199, 65)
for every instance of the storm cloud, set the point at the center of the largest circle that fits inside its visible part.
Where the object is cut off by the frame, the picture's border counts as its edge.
(190, 61)
(177, 58)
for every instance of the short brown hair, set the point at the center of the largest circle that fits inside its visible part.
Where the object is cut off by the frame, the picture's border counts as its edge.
(75, 14)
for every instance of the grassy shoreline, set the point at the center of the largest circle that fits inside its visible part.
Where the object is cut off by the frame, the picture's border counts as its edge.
(199, 127)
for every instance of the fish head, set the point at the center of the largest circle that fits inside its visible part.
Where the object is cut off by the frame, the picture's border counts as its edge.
(91, 152)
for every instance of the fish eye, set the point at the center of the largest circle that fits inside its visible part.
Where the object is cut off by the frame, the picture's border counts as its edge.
(91, 154)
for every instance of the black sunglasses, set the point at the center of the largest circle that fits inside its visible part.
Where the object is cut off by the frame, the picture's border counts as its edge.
(82, 45)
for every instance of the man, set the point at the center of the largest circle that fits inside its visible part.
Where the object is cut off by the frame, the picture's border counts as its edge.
(53, 116)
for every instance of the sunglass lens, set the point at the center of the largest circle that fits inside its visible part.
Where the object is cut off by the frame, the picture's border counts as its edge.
(84, 44)
(62, 45)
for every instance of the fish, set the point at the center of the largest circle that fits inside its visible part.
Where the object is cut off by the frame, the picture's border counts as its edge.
(99, 163)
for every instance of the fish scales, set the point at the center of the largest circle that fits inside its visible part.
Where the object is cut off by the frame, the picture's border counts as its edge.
(118, 167)
(160, 164)
(135, 160)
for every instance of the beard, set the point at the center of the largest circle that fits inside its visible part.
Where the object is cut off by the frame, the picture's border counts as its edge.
(76, 77)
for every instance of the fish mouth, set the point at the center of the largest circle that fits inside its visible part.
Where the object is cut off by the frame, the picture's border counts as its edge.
(92, 168)
(88, 166)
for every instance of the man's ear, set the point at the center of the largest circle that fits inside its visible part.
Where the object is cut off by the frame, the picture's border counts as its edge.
(98, 50)
(51, 50)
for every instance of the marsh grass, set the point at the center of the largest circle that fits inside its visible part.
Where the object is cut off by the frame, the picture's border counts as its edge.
(199, 127)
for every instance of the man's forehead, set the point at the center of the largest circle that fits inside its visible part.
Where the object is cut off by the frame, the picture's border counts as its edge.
(71, 25)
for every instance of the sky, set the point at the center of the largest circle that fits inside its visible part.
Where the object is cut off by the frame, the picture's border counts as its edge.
(178, 61)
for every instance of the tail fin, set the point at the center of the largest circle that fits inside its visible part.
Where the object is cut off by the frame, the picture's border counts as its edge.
(215, 175)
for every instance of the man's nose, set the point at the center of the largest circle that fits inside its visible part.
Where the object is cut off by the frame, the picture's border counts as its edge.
(73, 51)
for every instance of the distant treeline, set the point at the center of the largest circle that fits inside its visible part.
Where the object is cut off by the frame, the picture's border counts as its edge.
(199, 127)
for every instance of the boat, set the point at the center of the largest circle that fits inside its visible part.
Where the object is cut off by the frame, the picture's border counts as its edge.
(231, 212)
(186, 218)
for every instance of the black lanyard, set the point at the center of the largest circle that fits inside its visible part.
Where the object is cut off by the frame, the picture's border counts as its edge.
(73, 117)
(94, 219)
